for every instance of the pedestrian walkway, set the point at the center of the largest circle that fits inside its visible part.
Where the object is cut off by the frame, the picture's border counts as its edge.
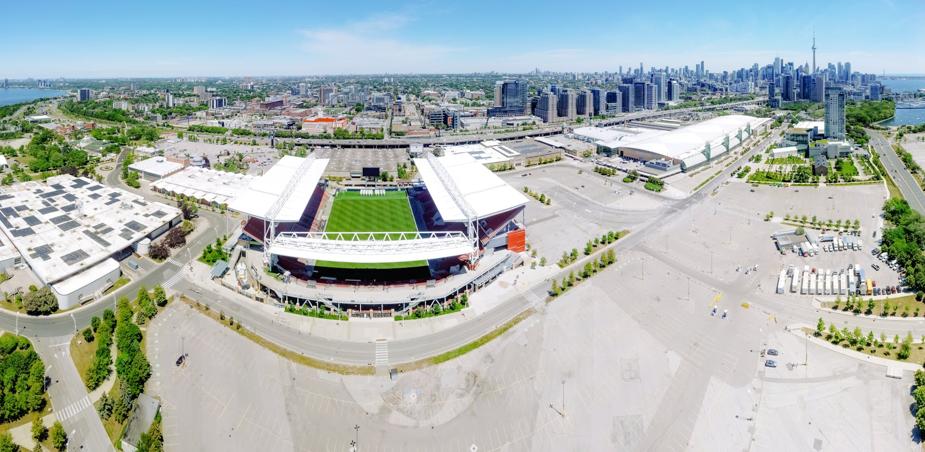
(173, 280)
(74, 408)
(382, 353)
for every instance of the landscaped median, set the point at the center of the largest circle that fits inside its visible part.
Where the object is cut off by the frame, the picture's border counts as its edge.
(905, 349)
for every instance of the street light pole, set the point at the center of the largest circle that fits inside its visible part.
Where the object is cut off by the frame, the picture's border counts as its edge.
(563, 398)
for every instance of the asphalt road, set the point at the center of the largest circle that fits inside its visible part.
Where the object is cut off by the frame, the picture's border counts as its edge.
(904, 180)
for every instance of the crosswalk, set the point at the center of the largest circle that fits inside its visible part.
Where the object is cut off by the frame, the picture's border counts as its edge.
(175, 262)
(74, 408)
(173, 280)
(382, 353)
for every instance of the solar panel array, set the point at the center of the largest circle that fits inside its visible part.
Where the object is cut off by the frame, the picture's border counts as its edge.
(68, 223)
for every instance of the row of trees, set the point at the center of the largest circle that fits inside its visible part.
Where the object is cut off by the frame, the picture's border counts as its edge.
(829, 223)
(857, 339)
(589, 270)
(605, 171)
(101, 366)
(541, 197)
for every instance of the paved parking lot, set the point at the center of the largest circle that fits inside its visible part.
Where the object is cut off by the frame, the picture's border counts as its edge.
(584, 204)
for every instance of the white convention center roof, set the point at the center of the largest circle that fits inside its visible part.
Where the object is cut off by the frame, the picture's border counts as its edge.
(481, 190)
(682, 142)
(291, 182)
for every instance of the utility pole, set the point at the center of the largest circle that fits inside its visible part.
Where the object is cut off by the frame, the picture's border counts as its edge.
(563, 398)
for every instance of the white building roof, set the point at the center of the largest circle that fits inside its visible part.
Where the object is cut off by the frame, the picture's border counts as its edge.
(785, 150)
(288, 185)
(158, 166)
(3, 161)
(486, 152)
(206, 184)
(818, 125)
(481, 190)
(68, 224)
(681, 143)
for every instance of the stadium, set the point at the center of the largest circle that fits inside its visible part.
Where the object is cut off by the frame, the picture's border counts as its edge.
(376, 246)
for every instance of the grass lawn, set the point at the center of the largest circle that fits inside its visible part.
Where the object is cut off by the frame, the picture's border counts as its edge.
(82, 353)
(353, 212)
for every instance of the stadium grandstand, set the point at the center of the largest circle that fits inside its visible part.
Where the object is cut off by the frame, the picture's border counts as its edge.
(318, 235)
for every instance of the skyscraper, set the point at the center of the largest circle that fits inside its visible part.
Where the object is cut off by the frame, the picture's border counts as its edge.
(567, 104)
(598, 102)
(874, 91)
(546, 107)
(510, 98)
(661, 89)
(818, 88)
(83, 94)
(626, 98)
(787, 88)
(651, 101)
(614, 102)
(835, 112)
(639, 95)
(584, 103)
(674, 90)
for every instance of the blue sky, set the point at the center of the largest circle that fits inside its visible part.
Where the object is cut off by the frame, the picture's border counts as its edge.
(229, 38)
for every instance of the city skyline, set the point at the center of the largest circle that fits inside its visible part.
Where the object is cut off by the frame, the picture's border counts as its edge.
(180, 40)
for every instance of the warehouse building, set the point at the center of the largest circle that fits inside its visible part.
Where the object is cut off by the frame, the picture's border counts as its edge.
(71, 231)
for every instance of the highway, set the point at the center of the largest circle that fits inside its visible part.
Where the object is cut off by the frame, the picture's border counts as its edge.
(897, 170)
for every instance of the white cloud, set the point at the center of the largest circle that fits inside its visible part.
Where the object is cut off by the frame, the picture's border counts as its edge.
(372, 45)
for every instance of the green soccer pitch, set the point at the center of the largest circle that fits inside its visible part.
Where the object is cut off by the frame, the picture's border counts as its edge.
(353, 212)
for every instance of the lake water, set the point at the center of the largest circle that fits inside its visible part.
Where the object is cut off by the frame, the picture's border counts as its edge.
(903, 85)
(906, 116)
(10, 96)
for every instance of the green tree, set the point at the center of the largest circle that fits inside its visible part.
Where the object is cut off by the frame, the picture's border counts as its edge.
(58, 436)
(40, 302)
(160, 297)
(7, 444)
(39, 431)
(820, 327)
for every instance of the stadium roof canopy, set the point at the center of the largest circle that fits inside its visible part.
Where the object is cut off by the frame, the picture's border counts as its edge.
(285, 188)
(460, 182)
(683, 143)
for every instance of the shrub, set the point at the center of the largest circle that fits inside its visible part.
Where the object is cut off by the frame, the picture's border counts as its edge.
(158, 251)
